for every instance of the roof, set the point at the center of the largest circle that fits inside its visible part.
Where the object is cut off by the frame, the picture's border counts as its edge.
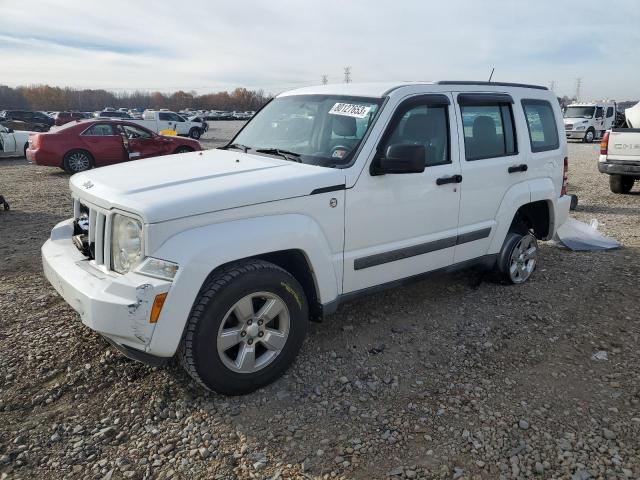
(382, 89)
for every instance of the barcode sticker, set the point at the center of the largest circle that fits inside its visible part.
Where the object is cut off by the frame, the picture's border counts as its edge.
(350, 110)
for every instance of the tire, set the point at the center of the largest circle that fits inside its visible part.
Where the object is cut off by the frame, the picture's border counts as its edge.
(183, 150)
(77, 161)
(620, 183)
(518, 257)
(24, 150)
(244, 287)
(589, 136)
(194, 133)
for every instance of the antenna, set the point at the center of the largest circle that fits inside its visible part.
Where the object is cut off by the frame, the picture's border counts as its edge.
(324, 79)
(347, 74)
(578, 85)
(552, 85)
(492, 70)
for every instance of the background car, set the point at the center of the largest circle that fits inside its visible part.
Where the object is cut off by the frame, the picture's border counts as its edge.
(111, 114)
(26, 120)
(201, 119)
(79, 146)
(65, 117)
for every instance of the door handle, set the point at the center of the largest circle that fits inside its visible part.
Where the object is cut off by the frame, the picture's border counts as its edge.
(518, 168)
(451, 179)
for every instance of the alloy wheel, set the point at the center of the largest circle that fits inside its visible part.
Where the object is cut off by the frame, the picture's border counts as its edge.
(253, 332)
(523, 258)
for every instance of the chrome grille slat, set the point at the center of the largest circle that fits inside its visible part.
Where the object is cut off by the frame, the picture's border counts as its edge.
(99, 231)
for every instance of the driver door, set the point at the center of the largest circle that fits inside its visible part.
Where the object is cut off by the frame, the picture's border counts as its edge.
(401, 225)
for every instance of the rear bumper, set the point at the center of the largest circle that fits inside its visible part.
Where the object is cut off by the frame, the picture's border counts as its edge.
(116, 306)
(562, 210)
(619, 168)
(46, 159)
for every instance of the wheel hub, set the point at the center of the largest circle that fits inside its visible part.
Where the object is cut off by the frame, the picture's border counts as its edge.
(253, 330)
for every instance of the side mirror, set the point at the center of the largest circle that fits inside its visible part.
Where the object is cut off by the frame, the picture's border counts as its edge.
(9, 130)
(401, 158)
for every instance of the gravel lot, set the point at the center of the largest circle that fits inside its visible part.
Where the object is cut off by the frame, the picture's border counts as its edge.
(442, 379)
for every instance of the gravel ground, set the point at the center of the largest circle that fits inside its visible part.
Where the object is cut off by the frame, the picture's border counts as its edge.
(442, 379)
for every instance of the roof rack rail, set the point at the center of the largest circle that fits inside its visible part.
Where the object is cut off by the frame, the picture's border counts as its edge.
(499, 84)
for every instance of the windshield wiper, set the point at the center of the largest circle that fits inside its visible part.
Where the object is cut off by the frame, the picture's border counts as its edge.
(286, 154)
(237, 146)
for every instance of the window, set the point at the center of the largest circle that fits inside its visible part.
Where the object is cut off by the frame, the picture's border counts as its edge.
(323, 130)
(488, 131)
(599, 112)
(164, 116)
(541, 122)
(100, 130)
(421, 124)
(609, 112)
(135, 132)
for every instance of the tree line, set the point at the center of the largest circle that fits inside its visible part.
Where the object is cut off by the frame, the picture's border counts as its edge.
(47, 98)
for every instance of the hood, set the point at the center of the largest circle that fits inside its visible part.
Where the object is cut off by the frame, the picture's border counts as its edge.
(174, 186)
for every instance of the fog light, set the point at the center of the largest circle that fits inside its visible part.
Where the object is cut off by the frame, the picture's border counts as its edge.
(158, 303)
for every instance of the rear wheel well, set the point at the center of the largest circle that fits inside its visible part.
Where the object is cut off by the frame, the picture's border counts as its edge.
(534, 217)
(295, 262)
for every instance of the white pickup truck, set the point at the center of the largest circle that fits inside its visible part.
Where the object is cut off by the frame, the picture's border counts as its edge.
(13, 143)
(620, 158)
(327, 194)
(162, 120)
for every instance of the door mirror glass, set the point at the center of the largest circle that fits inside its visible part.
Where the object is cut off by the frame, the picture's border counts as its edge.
(403, 158)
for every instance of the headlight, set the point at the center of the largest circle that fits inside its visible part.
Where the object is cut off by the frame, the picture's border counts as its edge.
(126, 243)
(155, 267)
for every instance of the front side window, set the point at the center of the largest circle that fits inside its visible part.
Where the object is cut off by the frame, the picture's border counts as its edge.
(100, 130)
(323, 130)
(488, 131)
(599, 112)
(541, 122)
(425, 125)
(609, 112)
(135, 132)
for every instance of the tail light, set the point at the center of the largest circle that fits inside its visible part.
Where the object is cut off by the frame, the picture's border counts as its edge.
(565, 176)
(604, 144)
(35, 140)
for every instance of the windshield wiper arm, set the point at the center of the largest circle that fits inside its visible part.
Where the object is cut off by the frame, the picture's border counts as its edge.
(286, 154)
(237, 146)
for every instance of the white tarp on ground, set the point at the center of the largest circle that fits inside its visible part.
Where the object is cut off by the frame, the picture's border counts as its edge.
(580, 236)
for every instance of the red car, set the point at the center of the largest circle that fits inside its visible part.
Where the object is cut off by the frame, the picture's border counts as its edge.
(85, 144)
(62, 118)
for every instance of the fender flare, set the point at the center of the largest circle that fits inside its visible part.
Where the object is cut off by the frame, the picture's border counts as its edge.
(201, 250)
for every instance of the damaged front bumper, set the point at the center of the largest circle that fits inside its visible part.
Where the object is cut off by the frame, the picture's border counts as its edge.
(116, 306)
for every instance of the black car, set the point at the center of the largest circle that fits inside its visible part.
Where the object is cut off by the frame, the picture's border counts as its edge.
(34, 121)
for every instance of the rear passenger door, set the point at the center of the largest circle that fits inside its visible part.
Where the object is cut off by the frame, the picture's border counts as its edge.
(491, 165)
(104, 143)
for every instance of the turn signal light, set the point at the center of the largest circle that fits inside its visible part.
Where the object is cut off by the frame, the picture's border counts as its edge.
(604, 144)
(158, 303)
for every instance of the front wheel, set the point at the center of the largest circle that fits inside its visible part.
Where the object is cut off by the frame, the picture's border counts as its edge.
(245, 328)
(518, 258)
(620, 183)
(194, 133)
(589, 136)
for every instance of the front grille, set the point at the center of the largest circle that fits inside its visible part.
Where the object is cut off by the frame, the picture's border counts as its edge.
(92, 230)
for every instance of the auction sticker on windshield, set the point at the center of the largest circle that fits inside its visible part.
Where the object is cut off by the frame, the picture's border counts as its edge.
(350, 110)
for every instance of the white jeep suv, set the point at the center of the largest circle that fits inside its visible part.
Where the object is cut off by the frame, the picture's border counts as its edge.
(328, 193)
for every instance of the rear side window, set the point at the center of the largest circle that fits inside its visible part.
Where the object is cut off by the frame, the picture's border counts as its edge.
(100, 130)
(543, 130)
(488, 131)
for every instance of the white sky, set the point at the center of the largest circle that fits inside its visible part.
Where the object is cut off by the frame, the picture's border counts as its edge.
(280, 44)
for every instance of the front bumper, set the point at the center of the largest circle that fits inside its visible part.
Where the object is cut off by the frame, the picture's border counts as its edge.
(116, 306)
(611, 168)
(575, 134)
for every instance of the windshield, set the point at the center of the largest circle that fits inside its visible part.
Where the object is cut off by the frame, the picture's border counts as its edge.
(323, 130)
(579, 112)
